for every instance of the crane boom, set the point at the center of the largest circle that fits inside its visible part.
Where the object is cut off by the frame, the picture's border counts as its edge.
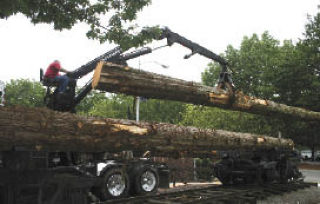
(117, 55)
(195, 48)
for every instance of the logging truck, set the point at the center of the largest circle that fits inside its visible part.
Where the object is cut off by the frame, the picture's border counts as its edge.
(53, 157)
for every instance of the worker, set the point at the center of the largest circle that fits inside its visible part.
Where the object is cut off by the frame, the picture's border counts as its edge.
(52, 73)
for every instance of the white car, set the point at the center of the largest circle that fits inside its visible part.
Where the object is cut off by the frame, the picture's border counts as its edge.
(306, 154)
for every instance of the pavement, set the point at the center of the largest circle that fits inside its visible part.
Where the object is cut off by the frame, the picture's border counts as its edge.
(311, 171)
(312, 176)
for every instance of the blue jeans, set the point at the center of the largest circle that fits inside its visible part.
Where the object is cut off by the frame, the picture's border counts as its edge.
(63, 82)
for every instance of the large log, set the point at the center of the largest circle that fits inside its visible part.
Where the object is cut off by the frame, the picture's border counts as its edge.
(44, 129)
(122, 79)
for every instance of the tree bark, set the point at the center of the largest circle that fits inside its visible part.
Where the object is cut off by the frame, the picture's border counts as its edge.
(44, 129)
(122, 79)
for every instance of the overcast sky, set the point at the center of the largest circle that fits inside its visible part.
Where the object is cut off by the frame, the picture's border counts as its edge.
(214, 24)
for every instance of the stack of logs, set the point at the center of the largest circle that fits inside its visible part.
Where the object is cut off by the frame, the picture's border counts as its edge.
(44, 129)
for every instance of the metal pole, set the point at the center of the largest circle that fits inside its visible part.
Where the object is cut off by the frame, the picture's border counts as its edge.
(138, 101)
(138, 98)
(137, 108)
(195, 178)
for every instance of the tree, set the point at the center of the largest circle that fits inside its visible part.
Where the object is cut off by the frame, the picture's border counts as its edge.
(305, 83)
(24, 92)
(122, 106)
(113, 106)
(255, 64)
(284, 73)
(109, 20)
(215, 118)
(162, 111)
(310, 46)
(87, 104)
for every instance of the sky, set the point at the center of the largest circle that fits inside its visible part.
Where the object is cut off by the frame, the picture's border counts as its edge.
(214, 24)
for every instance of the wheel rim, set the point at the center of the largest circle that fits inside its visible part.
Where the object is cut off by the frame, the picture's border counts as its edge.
(116, 184)
(148, 181)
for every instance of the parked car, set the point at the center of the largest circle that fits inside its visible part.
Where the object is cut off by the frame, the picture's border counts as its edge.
(317, 156)
(306, 154)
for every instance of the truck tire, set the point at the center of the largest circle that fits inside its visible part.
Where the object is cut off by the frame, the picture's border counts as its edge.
(115, 184)
(146, 181)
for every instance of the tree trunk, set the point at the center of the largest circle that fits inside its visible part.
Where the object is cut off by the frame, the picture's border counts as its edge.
(44, 129)
(120, 79)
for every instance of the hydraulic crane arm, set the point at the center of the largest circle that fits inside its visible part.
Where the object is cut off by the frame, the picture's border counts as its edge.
(117, 56)
(90, 66)
(195, 48)
(225, 80)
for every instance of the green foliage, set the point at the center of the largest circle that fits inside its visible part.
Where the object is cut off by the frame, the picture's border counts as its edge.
(254, 65)
(162, 111)
(210, 76)
(87, 104)
(24, 92)
(215, 118)
(310, 47)
(301, 83)
(204, 170)
(121, 106)
(115, 106)
(109, 20)
(285, 73)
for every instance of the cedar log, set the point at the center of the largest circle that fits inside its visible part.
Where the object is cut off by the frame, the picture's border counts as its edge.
(123, 79)
(44, 129)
